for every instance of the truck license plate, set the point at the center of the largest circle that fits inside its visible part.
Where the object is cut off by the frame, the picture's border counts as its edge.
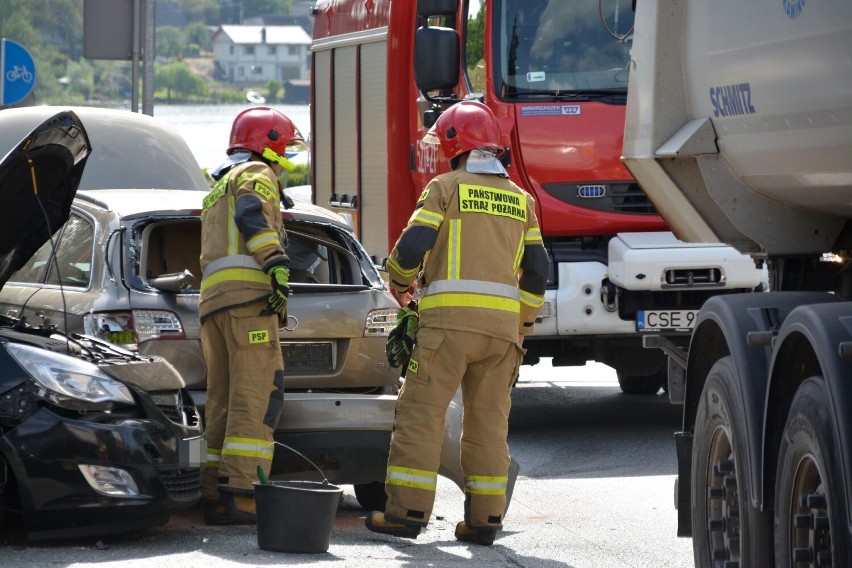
(665, 320)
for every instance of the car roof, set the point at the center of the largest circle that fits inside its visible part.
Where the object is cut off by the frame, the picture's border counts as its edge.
(130, 203)
(128, 149)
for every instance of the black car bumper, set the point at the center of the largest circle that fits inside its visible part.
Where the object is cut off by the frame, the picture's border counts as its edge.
(44, 453)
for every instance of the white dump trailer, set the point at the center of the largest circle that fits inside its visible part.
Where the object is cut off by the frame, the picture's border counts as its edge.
(739, 128)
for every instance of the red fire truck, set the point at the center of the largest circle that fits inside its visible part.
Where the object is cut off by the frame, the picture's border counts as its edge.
(555, 74)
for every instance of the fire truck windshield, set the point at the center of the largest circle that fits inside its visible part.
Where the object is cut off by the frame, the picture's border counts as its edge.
(556, 48)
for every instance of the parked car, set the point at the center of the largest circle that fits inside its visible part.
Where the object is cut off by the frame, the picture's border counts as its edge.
(125, 268)
(94, 439)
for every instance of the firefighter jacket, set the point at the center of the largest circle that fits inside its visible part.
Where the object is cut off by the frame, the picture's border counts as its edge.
(470, 238)
(242, 235)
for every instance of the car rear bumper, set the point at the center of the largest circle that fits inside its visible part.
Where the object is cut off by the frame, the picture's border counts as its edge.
(351, 457)
(332, 412)
(345, 435)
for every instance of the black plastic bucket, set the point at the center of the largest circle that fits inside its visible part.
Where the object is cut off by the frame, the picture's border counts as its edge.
(295, 516)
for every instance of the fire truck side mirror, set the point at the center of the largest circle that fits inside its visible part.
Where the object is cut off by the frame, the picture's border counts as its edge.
(436, 59)
(426, 8)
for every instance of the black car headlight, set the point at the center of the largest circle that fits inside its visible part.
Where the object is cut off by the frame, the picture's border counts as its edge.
(68, 382)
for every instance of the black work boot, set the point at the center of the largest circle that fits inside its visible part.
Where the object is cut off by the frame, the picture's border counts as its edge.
(466, 534)
(377, 522)
(231, 509)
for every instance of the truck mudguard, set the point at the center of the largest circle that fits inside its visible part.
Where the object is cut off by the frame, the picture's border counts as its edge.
(739, 325)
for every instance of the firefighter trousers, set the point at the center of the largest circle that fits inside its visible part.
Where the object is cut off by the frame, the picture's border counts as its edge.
(486, 368)
(245, 395)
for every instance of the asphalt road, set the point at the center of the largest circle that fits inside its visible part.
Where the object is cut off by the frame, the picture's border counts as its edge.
(595, 491)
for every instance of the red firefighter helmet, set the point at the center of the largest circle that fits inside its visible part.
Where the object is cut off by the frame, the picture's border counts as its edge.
(466, 126)
(259, 128)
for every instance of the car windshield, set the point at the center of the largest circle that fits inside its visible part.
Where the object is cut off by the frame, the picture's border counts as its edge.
(553, 48)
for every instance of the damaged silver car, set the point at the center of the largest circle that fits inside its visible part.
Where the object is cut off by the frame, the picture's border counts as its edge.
(125, 269)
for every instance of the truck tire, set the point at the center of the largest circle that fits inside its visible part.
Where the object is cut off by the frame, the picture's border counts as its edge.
(726, 530)
(810, 501)
(642, 384)
(371, 496)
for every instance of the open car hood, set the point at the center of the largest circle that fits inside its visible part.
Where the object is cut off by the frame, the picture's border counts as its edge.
(38, 181)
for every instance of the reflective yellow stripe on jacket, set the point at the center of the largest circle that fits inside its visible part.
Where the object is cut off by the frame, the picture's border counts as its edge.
(394, 265)
(233, 268)
(426, 217)
(532, 300)
(471, 294)
(519, 254)
(454, 249)
(262, 239)
(268, 187)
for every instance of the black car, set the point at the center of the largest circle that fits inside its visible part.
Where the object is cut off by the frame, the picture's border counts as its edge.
(94, 439)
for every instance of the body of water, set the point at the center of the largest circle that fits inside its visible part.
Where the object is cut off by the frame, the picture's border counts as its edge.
(206, 127)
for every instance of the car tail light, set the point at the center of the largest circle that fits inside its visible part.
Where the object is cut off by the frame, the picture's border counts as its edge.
(380, 322)
(130, 328)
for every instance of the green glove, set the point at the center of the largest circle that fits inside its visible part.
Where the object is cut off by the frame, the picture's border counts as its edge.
(401, 339)
(280, 290)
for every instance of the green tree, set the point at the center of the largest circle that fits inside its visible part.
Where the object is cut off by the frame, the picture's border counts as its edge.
(60, 23)
(273, 87)
(474, 49)
(177, 77)
(171, 42)
(112, 80)
(475, 35)
(204, 11)
(51, 66)
(299, 176)
(81, 75)
(15, 23)
(237, 11)
(197, 39)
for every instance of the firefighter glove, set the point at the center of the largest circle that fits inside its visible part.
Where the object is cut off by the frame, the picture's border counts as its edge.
(401, 339)
(280, 288)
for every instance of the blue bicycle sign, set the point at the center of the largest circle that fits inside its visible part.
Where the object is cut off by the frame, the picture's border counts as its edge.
(17, 72)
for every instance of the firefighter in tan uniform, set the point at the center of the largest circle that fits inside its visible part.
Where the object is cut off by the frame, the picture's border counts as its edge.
(242, 261)
(474, 246)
